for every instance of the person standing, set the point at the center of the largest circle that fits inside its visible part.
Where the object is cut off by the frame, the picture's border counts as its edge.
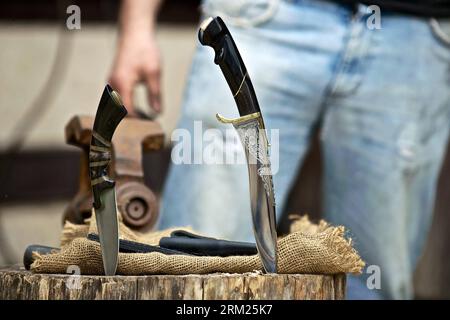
(379, 97)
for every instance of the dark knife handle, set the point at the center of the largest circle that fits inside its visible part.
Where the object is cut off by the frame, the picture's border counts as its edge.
(215, 34)
(109, 114)
(128, 246)
(28, 255)
(208, 246)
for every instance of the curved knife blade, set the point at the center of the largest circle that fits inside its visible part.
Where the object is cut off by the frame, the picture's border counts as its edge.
(109, 114)
(251, 129)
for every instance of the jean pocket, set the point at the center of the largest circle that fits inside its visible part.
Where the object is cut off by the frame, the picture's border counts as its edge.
(241, 13)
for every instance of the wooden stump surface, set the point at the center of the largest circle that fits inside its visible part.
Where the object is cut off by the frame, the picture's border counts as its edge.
(20, 284)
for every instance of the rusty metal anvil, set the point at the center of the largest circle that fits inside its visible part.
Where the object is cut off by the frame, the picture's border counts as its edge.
(136, 202)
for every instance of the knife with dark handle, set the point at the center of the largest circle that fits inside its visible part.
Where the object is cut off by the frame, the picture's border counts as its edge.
(109, 114)
(185, 243)
(125, 246)
(180, 242)
(251, 129)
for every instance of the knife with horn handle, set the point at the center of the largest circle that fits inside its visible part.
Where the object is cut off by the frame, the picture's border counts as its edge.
(250, 127)
(109, 114)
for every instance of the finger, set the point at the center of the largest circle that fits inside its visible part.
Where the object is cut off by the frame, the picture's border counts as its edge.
(125, 90)
(154, 91)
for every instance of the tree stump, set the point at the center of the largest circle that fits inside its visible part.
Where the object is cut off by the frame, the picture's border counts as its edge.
(21, 284)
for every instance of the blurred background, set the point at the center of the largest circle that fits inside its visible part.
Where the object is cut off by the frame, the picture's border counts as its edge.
(50, 73)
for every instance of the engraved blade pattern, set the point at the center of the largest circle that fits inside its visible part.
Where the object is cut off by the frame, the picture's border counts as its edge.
(254, 140)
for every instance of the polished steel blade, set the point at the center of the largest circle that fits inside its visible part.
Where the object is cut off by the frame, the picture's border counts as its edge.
(254, 141)
(108, 231)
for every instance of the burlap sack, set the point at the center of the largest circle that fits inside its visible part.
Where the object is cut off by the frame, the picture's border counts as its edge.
(309, 248)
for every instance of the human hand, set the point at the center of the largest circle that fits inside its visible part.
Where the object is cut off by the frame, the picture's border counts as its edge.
(137, 61)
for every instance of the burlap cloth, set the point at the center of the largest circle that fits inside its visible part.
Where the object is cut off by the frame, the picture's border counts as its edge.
(309, 248)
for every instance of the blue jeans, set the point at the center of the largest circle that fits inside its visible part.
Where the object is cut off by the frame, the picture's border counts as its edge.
(381, 100)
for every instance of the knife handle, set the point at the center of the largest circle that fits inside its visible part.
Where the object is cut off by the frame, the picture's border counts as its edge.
(28, 255)
(201, 247)
(109, 114)
(214, 33)
(128, 246)
(184, 241)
